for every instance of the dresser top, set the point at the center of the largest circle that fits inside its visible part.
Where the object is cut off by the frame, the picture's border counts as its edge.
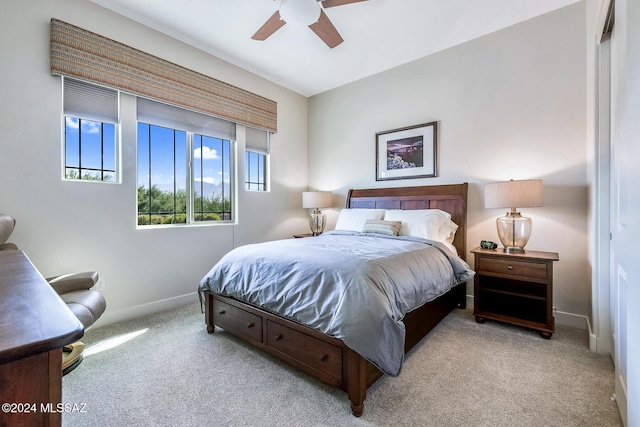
(33, 318)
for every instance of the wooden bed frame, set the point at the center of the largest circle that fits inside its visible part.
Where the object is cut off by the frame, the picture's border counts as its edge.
(329, 359)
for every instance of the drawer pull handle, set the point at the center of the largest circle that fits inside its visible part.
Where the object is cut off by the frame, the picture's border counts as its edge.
(222, 312)
(324, 358)
(251, 325)
(509, 267)
(278, 337)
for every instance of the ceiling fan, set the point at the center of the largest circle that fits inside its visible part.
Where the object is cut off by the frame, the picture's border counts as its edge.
(308, 13)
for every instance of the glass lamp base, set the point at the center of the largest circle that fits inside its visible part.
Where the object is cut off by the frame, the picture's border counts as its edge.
(317, 222)
(513, 250)
(514, 231)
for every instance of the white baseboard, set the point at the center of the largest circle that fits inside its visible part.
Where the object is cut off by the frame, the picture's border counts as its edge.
(593, 338)
(110, 317)
(571, 319)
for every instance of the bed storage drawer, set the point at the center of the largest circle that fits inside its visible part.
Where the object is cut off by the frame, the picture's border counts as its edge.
(313, 352)
(237, 320)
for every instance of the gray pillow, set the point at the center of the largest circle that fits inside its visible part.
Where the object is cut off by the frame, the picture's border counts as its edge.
(379, 226)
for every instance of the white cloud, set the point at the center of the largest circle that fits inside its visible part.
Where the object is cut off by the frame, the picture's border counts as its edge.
(207, 179)
(205, 153)
(71, 122)
(87, 126)
(90, 127)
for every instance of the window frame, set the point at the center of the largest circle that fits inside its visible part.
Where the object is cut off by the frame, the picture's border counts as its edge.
(190, 164)
(82, 101)
(102, 170)
(264, 175)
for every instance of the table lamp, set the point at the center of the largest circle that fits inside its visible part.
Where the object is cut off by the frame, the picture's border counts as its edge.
(514, 229)
(316, 200)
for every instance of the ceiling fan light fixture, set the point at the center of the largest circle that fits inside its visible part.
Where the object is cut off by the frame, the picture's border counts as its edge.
(300, 12)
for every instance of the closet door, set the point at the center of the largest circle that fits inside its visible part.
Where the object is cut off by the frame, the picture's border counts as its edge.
(625, 206)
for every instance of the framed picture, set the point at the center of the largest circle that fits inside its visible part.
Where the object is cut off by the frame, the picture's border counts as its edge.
(407, 153)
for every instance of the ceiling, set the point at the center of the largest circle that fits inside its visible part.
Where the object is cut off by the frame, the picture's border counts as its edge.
(378, 34)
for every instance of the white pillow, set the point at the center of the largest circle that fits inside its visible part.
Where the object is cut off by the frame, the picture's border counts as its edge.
(448, 231)
(432, 224)
(354, 219)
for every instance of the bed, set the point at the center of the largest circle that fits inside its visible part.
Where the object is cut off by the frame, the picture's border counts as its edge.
(326, 356)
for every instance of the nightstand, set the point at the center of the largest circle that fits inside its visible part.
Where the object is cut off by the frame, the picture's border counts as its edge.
(515, 288)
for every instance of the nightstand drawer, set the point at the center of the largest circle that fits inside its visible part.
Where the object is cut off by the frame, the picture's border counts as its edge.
(513, 268)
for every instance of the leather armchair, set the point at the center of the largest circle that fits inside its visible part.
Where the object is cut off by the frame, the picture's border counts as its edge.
(74, 289)
(7, 224)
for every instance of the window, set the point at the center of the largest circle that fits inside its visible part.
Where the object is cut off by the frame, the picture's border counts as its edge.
(211, 178)
(90, 131)
(255, 171)
(184, 172)
(162, 192)
(89, 150)
(255, 159)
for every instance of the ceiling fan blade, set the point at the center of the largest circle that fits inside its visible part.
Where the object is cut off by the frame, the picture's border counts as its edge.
(332, 3)
(272, 25)
(326, 31)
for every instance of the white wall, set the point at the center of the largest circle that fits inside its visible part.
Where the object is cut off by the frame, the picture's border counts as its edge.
(510, 105)
(73, 226)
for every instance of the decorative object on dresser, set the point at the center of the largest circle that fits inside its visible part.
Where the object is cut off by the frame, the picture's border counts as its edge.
(316, 200)
(408, 152)
(322, 355)
(515, 288)
(514, 229)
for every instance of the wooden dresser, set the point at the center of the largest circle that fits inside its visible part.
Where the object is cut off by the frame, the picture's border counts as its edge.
(34, 326)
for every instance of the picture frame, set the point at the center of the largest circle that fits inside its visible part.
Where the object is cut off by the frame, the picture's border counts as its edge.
(407, 153)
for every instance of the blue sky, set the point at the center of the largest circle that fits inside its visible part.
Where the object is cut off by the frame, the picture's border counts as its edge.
(207, 157)
(90, 144)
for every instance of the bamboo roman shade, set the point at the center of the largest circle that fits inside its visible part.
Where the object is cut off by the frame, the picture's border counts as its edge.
(89, 57)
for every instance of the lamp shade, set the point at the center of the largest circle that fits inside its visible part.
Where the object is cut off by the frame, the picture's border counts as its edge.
(513, 194)
(316, 199)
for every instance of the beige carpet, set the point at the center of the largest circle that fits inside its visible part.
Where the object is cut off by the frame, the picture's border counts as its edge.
(170, 372)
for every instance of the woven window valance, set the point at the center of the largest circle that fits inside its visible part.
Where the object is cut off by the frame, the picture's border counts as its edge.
(87, 56)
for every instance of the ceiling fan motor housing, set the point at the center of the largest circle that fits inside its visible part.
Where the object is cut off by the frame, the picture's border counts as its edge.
(300, 12)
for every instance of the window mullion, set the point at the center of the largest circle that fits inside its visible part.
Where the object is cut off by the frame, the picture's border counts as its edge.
(150, 199)
(101, 151)
(189, 183)
(222, 145)
(79, 148)
(175, 179)
(201, 165)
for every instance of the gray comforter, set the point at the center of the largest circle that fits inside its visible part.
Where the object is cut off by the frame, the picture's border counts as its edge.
(352, 286)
